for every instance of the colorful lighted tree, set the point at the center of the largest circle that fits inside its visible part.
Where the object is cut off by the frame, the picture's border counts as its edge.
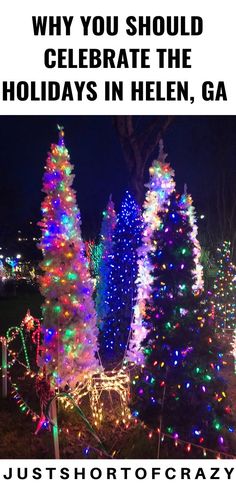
(107, 231)
(224, 291)
(121, 290)
(180, 389)
(2, 271)
(160, 187)
(94, 255)
(68, 310)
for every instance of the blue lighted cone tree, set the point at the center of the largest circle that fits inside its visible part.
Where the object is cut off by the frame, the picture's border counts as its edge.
(68, 311)
(121, 289)
(224, 291)
(180, 389)
(105, 243)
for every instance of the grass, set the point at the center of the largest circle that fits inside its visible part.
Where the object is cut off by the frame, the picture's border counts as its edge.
(14, 308)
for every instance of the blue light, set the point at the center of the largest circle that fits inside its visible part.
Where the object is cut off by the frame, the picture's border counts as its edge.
(121, 287)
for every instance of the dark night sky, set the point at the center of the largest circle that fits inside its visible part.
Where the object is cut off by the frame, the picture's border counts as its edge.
(199, 148)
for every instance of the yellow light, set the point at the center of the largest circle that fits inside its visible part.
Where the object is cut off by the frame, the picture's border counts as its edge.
(117, 381)
(69, 255)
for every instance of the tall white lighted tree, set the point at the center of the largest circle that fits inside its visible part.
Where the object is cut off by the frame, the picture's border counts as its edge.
(186, 205)
(69, 318)
(160, 186)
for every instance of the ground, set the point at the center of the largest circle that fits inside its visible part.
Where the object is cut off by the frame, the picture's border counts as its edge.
(17, 430)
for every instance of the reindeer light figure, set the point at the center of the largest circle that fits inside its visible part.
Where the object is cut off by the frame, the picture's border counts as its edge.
(114, 381)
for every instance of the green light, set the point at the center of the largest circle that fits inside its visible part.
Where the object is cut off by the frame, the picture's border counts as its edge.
(71, 276)
(69, 333)
(57, 309)
(47, 263)
(55, 432)
(18, 330)
(217, 425)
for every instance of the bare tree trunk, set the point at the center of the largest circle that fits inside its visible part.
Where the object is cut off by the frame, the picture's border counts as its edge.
(138, 145)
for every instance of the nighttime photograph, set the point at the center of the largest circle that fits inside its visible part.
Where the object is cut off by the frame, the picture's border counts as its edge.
(118, 287)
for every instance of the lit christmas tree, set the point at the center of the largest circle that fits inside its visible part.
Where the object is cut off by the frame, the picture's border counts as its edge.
(186, 204)
(233, 350)
(94, 256)
(160, 187)
(107, 230)
(224, 292)
(121, 290)
(3, 272)
(180, 390)
(68, 309)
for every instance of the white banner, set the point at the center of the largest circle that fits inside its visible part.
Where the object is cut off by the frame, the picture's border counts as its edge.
(117, 57)
(110, 470)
